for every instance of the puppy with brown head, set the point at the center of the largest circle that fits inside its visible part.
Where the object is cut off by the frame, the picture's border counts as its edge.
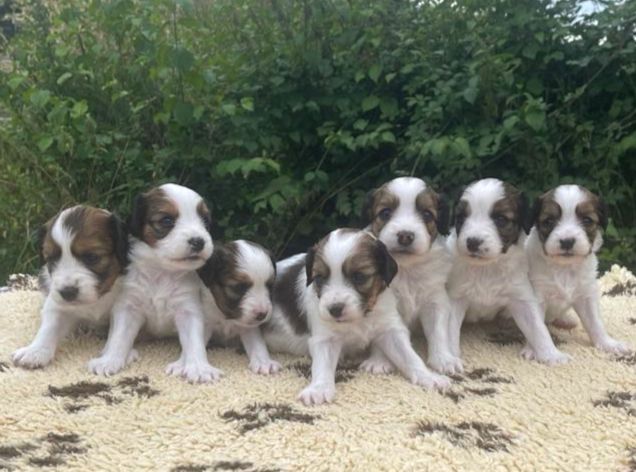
(489, 274)
(561, 248)
(337, 299)
(170, 240)
(84, 253)
(239, 279)
(411, 219)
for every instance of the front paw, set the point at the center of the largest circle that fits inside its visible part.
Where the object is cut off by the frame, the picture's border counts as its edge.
(32, 357)
(613, 346)
(107, 365)
(446, 364)
(430, 380)
(377, 365)
(317, 394)
(194, 372)
(552, 358)
(265, 366)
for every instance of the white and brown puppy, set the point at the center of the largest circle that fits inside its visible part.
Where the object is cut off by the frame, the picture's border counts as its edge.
(336, 300)
(561, 251)
(237, 298)
(411, 219)
(170, 240)
(490, 269)
(84, 253)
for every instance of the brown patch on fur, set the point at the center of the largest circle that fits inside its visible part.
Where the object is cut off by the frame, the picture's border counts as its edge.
(259, 415)
(380, 199)
(429, 200)
(204, 214)
(512, 212)
(485, 436)
(462, 211)
(589, 211)
(286, 296)
(50, 251)
(547, 214)
(151, 207)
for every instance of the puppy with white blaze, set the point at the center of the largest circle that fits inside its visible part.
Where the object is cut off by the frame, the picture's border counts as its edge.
(336, 300)
(170, 240)
(490, 269)
(561, 251)
(84, 254)
(237, 298)
(411, 219)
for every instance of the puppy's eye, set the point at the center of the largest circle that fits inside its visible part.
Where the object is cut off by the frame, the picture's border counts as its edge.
(319, 279)
(90, 258)
(548, 222)
(501, 221)
(427, 216)
(358, 278)
(385, 214)
(167, 222)
(587, 221)
(240, 289)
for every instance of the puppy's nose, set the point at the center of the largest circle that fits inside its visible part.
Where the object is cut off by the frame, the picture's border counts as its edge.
(196, 244)
(405, 238)
(567, 244)
(260, 316)
(473, 244)
(69, 293)
(336, 310)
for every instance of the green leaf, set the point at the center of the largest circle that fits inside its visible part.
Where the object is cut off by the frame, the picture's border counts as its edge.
(40, 98)
(182, 59)
(374, 72)
(15, 82)
(360, 124)
(359, 76)
(462, 146)
(247, 103)
(44, 143)
(387, 137)
(370, 102)
(63, 78)
(79, 109)
(535, 118)
(389, 77)
(229, 108)
(183, 113)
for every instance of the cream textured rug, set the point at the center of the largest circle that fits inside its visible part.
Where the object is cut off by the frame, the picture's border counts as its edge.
(502, 414)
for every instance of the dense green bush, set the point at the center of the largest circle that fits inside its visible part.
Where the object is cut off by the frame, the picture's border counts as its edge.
(283, 113)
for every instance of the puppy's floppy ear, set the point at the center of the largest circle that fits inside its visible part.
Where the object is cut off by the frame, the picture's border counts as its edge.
(138, 216)
(367, 208)
(443, 214)
(120, 239)
(387, 265)
(526, 215)
(213, 267)
(309, 264)
(40, 236)
(458, 198)
(271, 258)
(602, 211)
(536, 209)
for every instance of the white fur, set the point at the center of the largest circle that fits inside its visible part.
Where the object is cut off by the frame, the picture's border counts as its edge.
(562, 283)
(161, 293)
(480, 288)
(420, 284)
(382, 327)
(255, 262)
(60, 317)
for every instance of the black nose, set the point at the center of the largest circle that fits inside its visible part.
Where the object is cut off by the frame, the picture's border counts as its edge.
(196, 244)
(473, 244)
(405, 238)
(69, 293)
(567, 244)
(336, 310)
(261, 315)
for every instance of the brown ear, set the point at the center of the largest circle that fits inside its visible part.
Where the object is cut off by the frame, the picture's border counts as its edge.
(603, 212)
(526, 215)
(120, 239)
(213, 267)
(309, 264)
(138, 216)
(388, 266)
(443, 214)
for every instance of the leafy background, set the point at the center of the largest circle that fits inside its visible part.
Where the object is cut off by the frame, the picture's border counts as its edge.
(284, 113)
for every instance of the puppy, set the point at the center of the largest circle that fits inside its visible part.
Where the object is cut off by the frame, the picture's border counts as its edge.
(84, 254)
(170, 240)
(336, 300)
(561, 251)
(239, 279)
(410, 218)
(490, 268)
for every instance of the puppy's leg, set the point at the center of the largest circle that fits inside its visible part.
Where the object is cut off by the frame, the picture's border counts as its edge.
(377, 363)
(193, 363)
(118, 352)
(435, 319)
(396, 345)
(530, 321)
(456, 315)
(55, 326)
(588, 311)
(325, 353)
(254, 344)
